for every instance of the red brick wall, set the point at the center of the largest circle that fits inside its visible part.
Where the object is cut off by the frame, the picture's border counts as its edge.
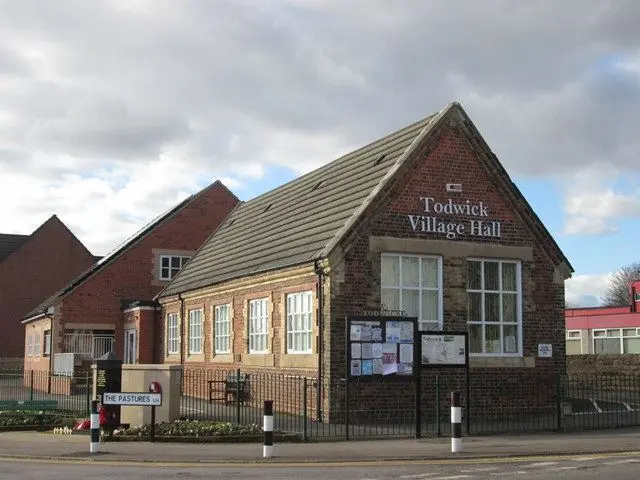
(450, 159)
(144, 319)
(130, 276)
(40, 267)
(277, 376)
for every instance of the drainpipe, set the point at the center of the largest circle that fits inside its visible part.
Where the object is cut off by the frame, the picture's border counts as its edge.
(320, 295)
(51, 352)
(181, 328)
(155, 357)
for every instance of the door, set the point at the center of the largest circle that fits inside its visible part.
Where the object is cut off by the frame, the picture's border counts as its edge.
(130, 346)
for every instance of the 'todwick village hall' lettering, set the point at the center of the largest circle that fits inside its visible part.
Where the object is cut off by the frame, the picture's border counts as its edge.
(424, 222)
(451, 229)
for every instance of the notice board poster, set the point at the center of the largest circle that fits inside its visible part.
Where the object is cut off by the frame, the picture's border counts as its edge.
(444, 349)
(380, 346)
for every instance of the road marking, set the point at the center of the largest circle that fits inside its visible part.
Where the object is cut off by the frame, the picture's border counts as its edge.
(563, 468)
(483, 469)
(585, 459)
(540, 464)
(619, 462)
(419, 475)
(454, 477)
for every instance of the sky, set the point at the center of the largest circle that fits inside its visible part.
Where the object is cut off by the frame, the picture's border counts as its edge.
(112, 111)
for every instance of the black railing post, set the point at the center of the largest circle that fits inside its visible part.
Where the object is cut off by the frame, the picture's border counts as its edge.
(305, 436)
(31, 385)
(438, 428)
(558, 403)
(347, 405)
(238, 393)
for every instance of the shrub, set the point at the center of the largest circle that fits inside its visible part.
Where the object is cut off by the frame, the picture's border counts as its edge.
(192, 428)
(27, 418)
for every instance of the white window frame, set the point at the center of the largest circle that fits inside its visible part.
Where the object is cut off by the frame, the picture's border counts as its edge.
(196, 337)
(173, 334)
(183, 261)
(47, 343)
(618, 333)
(419, 288)
(483, 291)
(570, 337)
(37, 344)
(299, 315)
(258, 325)
(29, 345)
(222, 329)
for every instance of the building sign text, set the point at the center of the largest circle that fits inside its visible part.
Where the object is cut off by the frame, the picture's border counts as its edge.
(483, 226)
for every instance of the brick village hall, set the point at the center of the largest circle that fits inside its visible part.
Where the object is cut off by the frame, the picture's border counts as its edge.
(425, 220)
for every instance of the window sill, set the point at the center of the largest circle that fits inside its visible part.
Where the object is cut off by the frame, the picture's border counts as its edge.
(298, 360)
(195, 357)
(222, 358)
(258, 359)
(502, 362)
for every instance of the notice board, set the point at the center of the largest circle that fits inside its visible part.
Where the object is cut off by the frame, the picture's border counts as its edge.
(444, 349)
(380, 346)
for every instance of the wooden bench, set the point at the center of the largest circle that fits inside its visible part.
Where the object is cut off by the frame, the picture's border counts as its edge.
(28, 404)
(229, 388)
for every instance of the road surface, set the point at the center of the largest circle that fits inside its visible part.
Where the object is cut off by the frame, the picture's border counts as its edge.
(620, 467)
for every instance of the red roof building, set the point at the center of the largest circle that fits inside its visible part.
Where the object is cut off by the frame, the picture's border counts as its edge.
(605, 329)
(32, 267)
(110, 307)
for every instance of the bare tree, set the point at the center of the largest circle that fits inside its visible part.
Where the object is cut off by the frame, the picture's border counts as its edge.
(618, 292)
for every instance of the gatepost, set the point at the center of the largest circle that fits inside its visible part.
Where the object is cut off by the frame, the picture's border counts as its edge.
(139, 378)
(107, 377)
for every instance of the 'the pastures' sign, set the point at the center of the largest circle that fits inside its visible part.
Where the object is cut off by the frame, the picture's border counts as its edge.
(429, 223)
(138, 399)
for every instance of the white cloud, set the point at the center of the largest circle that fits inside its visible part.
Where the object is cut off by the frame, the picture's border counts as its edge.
(586, 290)
(593, 207)
(112, 110)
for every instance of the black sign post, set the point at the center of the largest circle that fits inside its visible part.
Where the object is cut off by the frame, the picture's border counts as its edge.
(442, 349)
(109, 379)
(382, 344)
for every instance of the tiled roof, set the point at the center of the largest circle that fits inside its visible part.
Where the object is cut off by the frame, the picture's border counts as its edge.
(296, 222)
(9, 243)
(106, 260)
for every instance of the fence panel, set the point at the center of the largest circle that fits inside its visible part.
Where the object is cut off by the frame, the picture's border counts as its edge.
(71, 392)
(386, 408)
(238, 396)
(599, 401)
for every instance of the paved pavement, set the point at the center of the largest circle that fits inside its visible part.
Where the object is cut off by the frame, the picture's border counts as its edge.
(32, 445)
(618, 466)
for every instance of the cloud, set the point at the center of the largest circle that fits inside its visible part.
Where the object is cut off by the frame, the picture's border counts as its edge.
(111, 107)
(586, 290)
(593, 207)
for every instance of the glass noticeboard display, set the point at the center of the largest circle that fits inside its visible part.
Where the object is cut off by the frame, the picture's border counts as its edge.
(444, 349)
(380, 346)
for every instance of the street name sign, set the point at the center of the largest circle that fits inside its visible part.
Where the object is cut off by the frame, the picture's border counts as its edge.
(132, 398)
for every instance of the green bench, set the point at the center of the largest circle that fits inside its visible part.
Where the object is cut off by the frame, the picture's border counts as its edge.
(28, 404)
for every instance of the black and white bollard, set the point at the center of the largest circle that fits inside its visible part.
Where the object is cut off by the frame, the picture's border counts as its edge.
(94, 446)
(267, 448)
(456, 423)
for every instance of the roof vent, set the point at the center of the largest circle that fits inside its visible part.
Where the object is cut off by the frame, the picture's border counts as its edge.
(379, 159)
(267, 207)
(317, 185)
